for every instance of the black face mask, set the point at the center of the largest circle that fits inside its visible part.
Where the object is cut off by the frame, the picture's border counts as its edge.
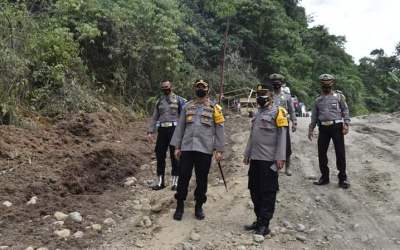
(201, 92)
(261, 100)
(326, 89)
(166, 91)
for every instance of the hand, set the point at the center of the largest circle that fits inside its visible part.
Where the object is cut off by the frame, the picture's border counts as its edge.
(345, 129)
(177, 153)
(218, 156)
(246, 160)
(294, 127)
(280, 164)
(310, 134)
(150, 137)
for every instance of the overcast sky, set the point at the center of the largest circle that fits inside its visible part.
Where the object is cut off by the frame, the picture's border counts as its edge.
(366, 24)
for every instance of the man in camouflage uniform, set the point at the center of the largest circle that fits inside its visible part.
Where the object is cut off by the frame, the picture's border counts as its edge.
(165, 117)
(266, 153)
(284, 100)
(199, 135)
(331, 114)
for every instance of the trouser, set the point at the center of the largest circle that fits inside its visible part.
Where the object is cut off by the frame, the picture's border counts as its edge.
(201, 163)
(263, 186)
(326, 133)
(163, 139)
(288, 144)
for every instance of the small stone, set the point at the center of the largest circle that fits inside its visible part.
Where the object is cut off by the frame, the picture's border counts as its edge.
(356, 226)
(78, 235)
(301, 238)
(312, 230)
(187, 246)
(32, 201)
(318, 198)
(156, 208)
(42, 248)
(287, 224)
(250, 205)
(109, 221)
(76, 217)
(64, 233)
(258, 238)
(139, 244)
(337, 237)
(146, 221)
(30, 248)
(58, 223)
(301, 228)
(283, 230)
(4, 247)
(130, 181)
(195, 236)
(60, 216)
(96, 227)
(7, 204)
(241, 247)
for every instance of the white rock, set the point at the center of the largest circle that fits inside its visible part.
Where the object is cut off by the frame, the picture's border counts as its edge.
(60, 216)
(32, 201)
(76, 217)
(30, 248)
(250, 205)
(78, 235)
(241, 247)
(258, 238)
(96, 227)
(4, 247)
(42, 248)
(109, 221)
(301, 228)
(195, 236)
(7, 204)
(287, 224)
(318, 198)
(146, 222)
(64, 233)
(187, 246)
(58, 223)
(300, 238)
(130, 181)
(355, 226)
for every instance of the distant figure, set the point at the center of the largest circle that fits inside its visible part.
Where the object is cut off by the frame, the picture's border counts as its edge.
(331, 114)
(303, 110)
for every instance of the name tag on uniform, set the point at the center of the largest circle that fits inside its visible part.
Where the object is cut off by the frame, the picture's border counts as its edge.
(327, 123)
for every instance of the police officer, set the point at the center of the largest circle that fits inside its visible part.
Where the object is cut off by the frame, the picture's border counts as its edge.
(266, 153)
(165, 117)
(199, 135)
(331, 114)
(281, 99)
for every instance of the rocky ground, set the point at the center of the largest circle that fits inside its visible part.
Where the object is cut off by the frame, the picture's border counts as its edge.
(100, 167)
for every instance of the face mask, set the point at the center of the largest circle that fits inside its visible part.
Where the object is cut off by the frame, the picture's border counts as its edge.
(276, 86)
(201, 92)
(262, 100)
(166, 91)
(326, 89)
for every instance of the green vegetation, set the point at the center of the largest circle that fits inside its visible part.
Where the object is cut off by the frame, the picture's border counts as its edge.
(72, 55)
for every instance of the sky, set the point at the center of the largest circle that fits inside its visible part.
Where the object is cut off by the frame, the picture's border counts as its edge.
(366, 24)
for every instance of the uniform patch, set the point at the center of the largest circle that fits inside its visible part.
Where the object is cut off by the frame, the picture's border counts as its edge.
(281, 118)
(218, 116)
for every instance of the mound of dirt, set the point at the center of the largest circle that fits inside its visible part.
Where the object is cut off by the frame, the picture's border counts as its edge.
(78, 164)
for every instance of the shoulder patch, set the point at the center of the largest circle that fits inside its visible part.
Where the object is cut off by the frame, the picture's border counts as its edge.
(281, 118)
(218, 116)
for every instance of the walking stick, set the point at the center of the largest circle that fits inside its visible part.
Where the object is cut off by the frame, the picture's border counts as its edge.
(222, 174)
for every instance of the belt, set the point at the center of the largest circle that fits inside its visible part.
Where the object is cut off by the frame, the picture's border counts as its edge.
(330, 123)
(168, 124)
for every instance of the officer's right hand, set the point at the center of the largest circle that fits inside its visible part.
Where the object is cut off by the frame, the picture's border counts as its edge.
(177, 153)
(246, 160)
(310, 135)
(150, 137)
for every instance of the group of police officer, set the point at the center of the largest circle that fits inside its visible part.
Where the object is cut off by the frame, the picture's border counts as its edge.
(194, 132)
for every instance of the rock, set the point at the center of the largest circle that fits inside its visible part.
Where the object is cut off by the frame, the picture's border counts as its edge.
(146, 207)
(356, 226)
(58, 223)
(76, 217)
(60, 216)
(137, 207)
(187, 246)
(108, 212)
(250, 205)
(317, 198)
(139, 244)
(96, 227)
(195, 236)
(78, 235)
(109, 221)
(287, 224)
(258, 238)
(283, 230)
(64, 233)
(156, 208)
(300, 228)
(4, 247)
(42, 248)
(30, 248)
(130, 181)
(301, 238)
(241, 247)
(7, 204)
(146, 222)
(32, 201)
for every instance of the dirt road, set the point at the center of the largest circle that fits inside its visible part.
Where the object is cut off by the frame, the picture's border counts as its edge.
(367, 216)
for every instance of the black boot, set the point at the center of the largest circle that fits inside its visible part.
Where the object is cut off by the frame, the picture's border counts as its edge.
(179, 210)
(251, 227)
(198, 211)
(174, 183)
(344, 184)
(160, 183)
(263, 229)
(321, 181)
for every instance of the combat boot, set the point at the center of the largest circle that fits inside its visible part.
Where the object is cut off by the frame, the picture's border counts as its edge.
(288, 172)
(160, 183)
(179, 210)
(252, 226)
(198, 211)
(174, 183)
(263, 229)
